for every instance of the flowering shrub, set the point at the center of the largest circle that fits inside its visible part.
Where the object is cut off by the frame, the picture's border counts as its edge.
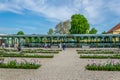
(104, 67)
(101, 56)
(39, 51)
(97, 52)
(27, 56)
(22, 65)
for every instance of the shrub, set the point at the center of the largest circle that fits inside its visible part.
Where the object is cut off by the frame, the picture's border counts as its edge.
(104, 67)
(14, 64)
(27, 56)
(100, 56)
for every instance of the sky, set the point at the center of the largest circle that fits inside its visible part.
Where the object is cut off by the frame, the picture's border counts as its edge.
(38, 16)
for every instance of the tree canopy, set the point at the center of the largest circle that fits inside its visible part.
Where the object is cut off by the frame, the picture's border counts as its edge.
(93, 31)
(20, 33)
(27, 40)
(104, 32)
(51, 31)
(63, 27)
(79, 24)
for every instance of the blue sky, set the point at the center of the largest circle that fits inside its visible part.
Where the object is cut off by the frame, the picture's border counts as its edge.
(37, 16)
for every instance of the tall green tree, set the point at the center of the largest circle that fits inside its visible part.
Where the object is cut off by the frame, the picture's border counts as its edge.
(51, 31)
(93, 31)
(79, 24)
(20, 33)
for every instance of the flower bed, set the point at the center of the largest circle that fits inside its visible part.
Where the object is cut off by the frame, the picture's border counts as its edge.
(14, 64)
(100, 56)
(26, 56)
(38, 51)
(97, 52)
(104, 67)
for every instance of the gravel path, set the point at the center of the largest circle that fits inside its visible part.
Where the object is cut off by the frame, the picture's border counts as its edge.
(64, 66)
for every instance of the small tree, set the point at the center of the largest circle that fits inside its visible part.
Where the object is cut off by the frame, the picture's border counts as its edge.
(37, 39)
(104, 32)
(93, 31)
(32, 39)
(44, 39)
(20, 33)
(27, 40)
(51, 31)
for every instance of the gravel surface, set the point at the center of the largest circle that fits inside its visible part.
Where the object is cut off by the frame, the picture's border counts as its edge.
(64, 66)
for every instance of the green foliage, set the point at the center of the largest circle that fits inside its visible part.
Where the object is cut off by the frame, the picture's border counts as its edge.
(26, 56)
(51, 31)
(27, 40)
(44, 39)
(20, 33)
(37, 39)
(93, 31)
(63, 27)
(79, 24)
(97, 52)
(38, 51)
(101, 56)
(32, 39)
(14, 64)
(104, 32)
(104, 67)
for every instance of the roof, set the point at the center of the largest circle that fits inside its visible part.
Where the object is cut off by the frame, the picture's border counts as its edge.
(114, 28)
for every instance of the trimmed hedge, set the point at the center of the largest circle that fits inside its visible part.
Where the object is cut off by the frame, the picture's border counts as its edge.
(100, 56)
(15, 65)
(104, 67)
(35, 51)
(97, 52)
(26, 56)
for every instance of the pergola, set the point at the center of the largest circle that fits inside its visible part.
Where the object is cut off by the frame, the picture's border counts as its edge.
(71, 40)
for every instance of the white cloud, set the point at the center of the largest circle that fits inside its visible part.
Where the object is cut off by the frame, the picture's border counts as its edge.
(92, 9)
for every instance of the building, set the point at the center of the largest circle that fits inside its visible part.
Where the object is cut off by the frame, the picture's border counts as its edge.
(115, 30)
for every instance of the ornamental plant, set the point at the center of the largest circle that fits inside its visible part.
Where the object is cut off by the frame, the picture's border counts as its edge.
(104, 67)
(14, 65)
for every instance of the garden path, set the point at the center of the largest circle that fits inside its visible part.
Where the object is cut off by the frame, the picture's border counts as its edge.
(64, 66)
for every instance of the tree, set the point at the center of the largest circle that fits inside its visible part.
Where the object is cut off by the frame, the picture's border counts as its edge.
(79, 24)
(51, 31)
(37, 39)
(104, 32)
(32, 39)
(44, 39)
(63, 27)
(93, 31)
(20, 33)
(27, 40)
